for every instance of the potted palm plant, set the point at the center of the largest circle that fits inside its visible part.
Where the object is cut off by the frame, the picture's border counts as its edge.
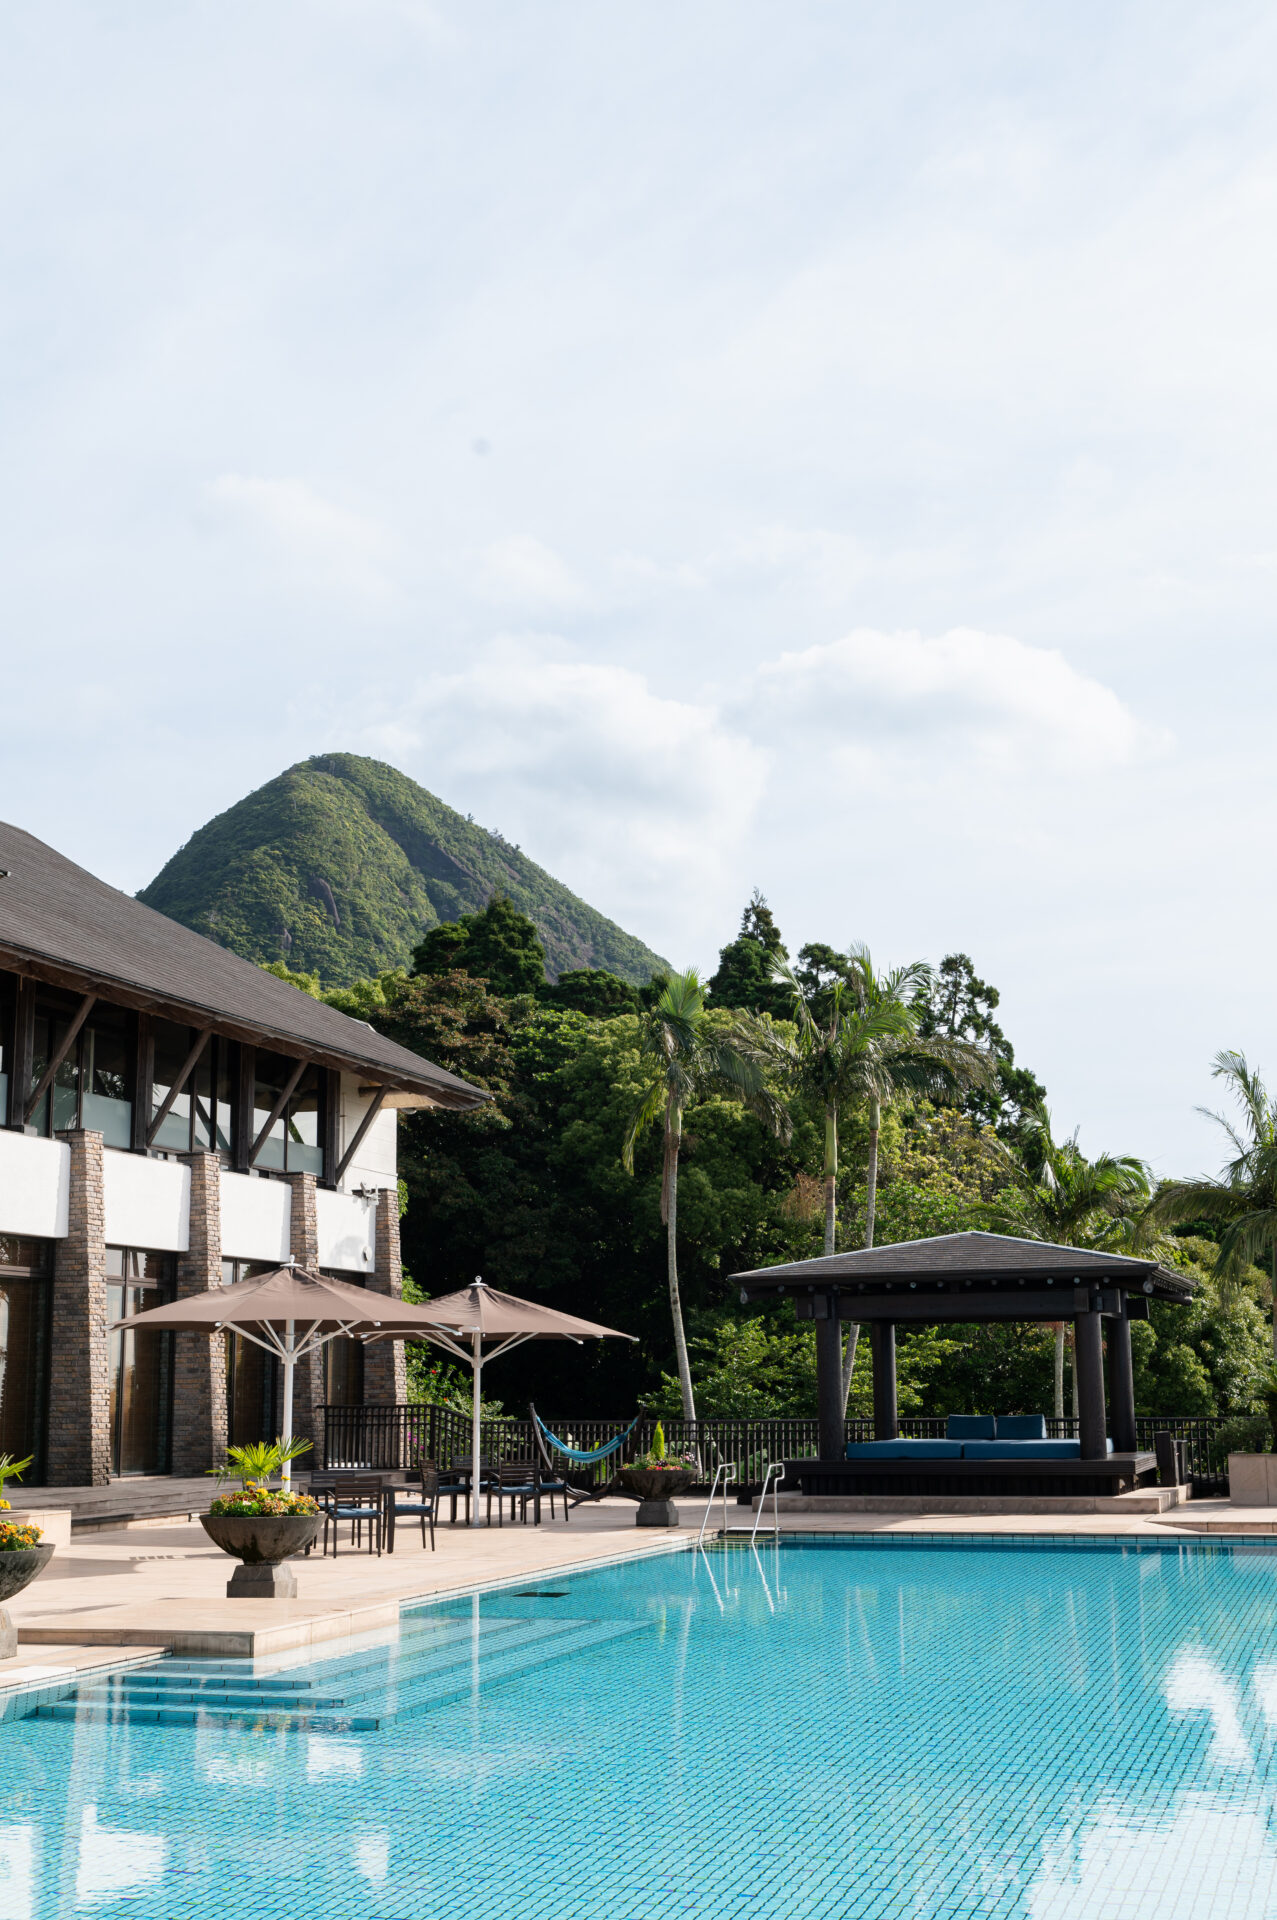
(260, 1525)
(656, 1479)
(23, 1554)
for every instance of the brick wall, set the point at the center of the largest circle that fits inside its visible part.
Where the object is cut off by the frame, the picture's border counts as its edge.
(385, 1377)
(199, 1360)
(79, 1452)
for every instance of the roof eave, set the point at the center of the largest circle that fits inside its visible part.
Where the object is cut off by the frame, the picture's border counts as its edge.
(447, 1093)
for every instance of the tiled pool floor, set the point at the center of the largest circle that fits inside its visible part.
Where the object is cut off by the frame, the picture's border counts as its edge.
(824, 1730)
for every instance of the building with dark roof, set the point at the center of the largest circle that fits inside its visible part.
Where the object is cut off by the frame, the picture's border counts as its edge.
(172, 1117)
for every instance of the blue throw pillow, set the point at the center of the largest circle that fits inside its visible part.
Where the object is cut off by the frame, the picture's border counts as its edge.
(1021, 1426)
(970, 1426)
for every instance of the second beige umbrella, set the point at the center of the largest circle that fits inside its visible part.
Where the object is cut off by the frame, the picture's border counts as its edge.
(461, 1322)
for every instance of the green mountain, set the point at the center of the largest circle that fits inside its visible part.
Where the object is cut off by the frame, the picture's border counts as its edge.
(341, 864)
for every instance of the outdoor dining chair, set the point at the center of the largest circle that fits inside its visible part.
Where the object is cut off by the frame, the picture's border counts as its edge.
(516, 1481)
(423, 1508)
(356, 1498)
(457, 1485)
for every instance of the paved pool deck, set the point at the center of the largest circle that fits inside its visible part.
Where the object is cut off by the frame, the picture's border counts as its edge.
(142, 1589)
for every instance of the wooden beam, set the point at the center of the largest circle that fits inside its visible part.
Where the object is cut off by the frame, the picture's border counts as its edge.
(143, 1081)
(245, 1080)
(332, 1109)
(189, 1065)
(290, 1088)
(23, 1051)
(358, 1141)
(69, 1039)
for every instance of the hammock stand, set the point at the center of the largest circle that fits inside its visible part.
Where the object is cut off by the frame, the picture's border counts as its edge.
(581, 1496)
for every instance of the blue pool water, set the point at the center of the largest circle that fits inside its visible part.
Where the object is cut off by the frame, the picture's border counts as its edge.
(827, 1730)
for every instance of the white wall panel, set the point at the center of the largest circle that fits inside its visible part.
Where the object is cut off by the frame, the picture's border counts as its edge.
(256, 1218)
(35, 1186)
(376, 1163)
(147, 1202)
(347, 1231)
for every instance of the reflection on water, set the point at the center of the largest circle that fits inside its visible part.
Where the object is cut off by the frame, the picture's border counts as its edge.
(113, 1861)
(17, 1872)
(821, 1732)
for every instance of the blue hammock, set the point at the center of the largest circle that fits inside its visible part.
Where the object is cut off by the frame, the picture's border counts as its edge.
(576, 1454)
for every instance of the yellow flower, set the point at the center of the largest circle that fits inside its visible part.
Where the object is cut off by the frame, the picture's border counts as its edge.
(5, 1505)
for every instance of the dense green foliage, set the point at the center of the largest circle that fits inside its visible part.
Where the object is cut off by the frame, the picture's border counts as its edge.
(341, 864)
(498, 944)
(532, 1193)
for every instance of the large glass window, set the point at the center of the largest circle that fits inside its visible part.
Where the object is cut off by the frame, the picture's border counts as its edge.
(93, 1085)
(141, 1362)
(253, 1383)
(24, 1350)
(199, 1119)
(295, 1142)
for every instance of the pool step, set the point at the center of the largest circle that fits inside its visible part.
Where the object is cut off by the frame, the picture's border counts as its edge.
(446, 1663)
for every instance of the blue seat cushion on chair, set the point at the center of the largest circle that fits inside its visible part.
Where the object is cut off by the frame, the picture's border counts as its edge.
(904, 1450)
(1021, 1426)
(970, 1426)
(1021, 1450)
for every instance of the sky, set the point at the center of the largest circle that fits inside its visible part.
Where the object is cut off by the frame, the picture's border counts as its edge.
(823, 447)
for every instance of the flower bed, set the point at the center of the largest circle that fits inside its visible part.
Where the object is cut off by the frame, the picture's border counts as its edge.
(255, 1500)
(16, 1539)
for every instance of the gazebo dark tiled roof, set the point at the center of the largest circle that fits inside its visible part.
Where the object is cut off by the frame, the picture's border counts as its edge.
(60, 924)
(963, 1257)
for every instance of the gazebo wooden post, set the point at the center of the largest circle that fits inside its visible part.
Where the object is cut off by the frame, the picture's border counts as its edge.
(829, 1404)
(1088, 1352)
(1122, 1381)
(882, 1340)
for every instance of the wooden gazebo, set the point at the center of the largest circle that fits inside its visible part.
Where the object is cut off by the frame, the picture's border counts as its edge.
(964, 1277)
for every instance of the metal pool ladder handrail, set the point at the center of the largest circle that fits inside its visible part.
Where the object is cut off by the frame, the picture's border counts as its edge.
(776, 1467)
(726, 1471)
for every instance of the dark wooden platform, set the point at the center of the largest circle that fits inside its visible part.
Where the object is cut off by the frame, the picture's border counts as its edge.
(1116, 1473)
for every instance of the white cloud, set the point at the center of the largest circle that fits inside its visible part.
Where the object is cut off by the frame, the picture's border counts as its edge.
(322, 544)
(988, 696)
(522, 572)
(634, 798)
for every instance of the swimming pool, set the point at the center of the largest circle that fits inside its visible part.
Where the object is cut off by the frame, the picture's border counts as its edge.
(825, 1730)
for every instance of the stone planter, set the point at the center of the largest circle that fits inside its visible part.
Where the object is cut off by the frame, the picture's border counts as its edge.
(1252, 1479)
(261, 1542)
(18, 1570)
(656, 1491)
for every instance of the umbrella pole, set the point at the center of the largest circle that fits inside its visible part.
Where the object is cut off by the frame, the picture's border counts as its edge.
(477, 1367)
(286, 1471)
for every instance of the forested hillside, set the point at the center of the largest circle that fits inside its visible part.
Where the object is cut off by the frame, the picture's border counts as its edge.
(341, 864)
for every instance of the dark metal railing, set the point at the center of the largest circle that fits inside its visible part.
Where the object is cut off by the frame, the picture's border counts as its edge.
(401, 1436)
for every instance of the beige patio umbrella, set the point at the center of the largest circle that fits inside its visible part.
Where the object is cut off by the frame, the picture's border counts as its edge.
(290, 1313)
(461, 1322)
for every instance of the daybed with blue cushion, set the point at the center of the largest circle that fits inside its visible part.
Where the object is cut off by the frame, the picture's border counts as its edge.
(980, 1454)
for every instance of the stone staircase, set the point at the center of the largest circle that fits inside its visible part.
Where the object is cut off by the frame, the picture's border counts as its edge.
(432, 1663)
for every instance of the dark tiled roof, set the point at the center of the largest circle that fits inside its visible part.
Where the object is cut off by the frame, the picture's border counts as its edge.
(968, 1256)
(65, 926)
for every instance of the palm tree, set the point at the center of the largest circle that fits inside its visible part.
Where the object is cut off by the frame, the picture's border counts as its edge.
(1243, 1200)
(1055, 1194)
(685, 1058)
(858, 1046)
